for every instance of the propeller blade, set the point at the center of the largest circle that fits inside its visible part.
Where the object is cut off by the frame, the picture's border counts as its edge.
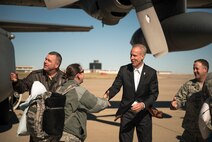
(151, 27)
(50, 4)
(153, 32)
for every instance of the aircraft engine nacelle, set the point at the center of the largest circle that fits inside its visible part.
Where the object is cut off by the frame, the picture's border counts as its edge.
(183, 32)
(7, 64)
(108, 11)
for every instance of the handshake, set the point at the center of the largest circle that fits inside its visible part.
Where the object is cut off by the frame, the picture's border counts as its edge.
(137, 107)
(106, 95)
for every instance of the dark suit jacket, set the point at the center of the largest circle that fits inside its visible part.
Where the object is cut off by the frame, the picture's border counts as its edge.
(147, 91)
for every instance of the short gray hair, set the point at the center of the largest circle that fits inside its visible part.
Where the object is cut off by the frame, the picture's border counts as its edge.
(142, 47)
(59, 57)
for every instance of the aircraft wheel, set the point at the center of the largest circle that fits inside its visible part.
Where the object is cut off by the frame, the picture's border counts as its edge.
(15, 100)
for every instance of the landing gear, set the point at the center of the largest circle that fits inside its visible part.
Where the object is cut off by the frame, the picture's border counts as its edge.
(4, 110)
(15, 100)
(9, 104)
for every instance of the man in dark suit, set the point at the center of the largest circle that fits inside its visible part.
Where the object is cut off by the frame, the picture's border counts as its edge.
(140, 91)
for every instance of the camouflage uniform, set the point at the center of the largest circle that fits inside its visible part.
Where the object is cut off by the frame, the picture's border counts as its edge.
(208, 84)
(207, 89)
(67, 137)
(79, 102)
(25, 84)
(190, 97)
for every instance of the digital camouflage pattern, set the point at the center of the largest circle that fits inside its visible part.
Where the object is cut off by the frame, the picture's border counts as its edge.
(208, 91)
(208, 84)
(67, 137)
(190, 97)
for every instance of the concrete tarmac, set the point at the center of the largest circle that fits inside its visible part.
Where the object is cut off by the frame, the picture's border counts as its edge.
(101, 127)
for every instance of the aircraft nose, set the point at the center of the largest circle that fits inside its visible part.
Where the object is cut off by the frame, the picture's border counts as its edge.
(7, 57)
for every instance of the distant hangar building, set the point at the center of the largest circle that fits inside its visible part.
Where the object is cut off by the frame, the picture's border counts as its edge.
(24, 69)
(96, 65)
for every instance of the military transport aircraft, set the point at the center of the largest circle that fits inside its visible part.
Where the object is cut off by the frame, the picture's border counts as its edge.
(7, 57)
(164, 23)
(165, 26)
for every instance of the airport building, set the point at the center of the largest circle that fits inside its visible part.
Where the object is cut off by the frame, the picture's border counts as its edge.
(24, 69)
(164, 72)
(95, 66)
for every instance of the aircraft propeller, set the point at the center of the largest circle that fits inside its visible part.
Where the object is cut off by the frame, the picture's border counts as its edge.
(147, 18)
(151, 27)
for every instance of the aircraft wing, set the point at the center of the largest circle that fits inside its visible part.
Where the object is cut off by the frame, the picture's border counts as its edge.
(14, 26)
(36, 3)
(151, 14)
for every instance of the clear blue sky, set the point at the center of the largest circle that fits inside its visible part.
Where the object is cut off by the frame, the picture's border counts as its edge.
(109, 44)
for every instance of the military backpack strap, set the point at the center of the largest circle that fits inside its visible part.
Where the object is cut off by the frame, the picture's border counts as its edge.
(210, 106)
(72, 86)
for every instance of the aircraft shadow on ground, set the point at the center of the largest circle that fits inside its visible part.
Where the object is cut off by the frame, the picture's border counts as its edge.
(13, 119)
(115, 105)
(158, 104)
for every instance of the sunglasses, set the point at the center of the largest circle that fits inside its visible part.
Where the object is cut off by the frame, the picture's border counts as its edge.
(82, 71)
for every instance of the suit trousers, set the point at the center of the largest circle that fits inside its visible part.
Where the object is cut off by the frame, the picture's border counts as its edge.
(142, 121)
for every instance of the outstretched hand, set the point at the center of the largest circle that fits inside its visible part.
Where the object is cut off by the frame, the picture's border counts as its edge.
(106, 95)
(174, 105)
(109, 104)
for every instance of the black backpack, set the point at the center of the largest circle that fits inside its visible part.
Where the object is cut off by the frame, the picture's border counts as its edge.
(45, 115)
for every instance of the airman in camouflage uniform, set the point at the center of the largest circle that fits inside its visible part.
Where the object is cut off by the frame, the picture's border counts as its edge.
(79, 102)
(208, 85)
(50, 76)
(191, 97)
(207, 89)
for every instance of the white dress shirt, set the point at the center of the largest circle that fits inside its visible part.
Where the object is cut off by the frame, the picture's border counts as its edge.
(137, 75)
